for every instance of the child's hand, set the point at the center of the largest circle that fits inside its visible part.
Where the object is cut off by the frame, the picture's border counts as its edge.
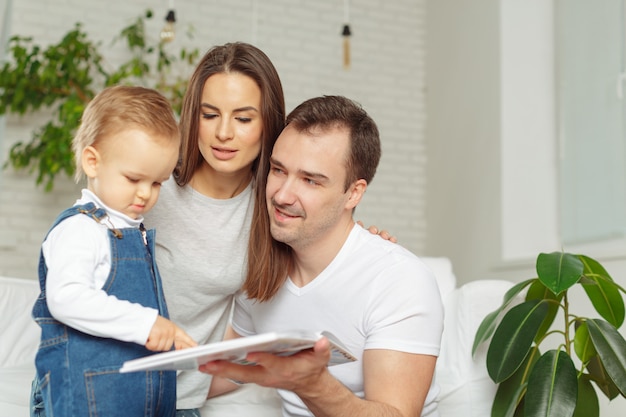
(182, 340)
(164, 334)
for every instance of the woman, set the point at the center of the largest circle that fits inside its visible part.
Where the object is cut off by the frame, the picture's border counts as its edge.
(232, 113)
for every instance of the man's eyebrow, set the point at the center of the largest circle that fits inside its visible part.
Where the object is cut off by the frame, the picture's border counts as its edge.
(314, 176)
(237, 110)
(308, 174)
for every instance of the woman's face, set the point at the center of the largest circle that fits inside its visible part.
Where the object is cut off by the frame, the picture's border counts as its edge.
(230, 123)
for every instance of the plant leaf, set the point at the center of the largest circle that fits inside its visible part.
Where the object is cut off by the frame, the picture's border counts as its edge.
(587, 404)
(593, 267)
(611, 348)
(538, 291)
(519, 411)
(602, 291)
(582, 343)
(70, 71)
(511, 391)
(512, 339)
(486, 329)
(558, 270)
(489, 323)
(598, 374)
(552, 386)
(506, 400)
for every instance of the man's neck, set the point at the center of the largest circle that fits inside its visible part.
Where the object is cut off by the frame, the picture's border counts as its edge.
(311, 259)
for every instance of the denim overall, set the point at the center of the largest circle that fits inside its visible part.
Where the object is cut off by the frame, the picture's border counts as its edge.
(77, 374)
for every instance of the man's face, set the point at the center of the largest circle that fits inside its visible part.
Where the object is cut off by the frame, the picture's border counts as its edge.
(306, 198)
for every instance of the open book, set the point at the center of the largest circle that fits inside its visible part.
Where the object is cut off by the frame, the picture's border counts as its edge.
(236, 350)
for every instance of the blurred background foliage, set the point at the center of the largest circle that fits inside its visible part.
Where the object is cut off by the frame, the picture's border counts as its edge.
(65, 76)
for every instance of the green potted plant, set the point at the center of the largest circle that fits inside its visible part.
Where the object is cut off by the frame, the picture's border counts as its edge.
(65, 76)
(585, 353)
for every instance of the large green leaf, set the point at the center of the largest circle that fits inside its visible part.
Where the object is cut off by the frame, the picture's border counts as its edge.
(552, 386)
(602, 291)
(591, 266)
(558, 270)
(582, 343)
(538, 291)
(486, 329)
(611, 348)
(489, 323)
(519, 411)
(505, 403)
(602, 379)
(510, 392)
(587, 404)
(512, 339)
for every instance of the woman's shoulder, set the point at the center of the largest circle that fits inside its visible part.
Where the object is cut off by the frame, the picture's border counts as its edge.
(170, 196)
(170, 189)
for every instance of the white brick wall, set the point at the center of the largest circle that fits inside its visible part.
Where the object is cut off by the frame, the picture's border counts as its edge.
(303, 40)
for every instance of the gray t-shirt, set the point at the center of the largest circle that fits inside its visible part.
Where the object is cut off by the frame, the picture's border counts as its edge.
(201, 248)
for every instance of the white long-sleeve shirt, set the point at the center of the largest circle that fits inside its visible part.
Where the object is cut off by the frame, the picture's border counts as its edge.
(78, 256)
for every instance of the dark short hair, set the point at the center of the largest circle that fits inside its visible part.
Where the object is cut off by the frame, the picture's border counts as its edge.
(328, 112)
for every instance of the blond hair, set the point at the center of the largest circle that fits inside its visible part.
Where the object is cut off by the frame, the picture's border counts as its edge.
(122, 107)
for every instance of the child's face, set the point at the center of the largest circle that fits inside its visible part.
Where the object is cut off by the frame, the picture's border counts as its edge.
(126, 170)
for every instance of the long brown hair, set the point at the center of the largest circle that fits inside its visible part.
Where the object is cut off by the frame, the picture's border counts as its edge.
(242, 58)
(248, 60)
(269, 260)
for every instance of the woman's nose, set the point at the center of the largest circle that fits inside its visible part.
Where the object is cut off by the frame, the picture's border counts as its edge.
(224, 130)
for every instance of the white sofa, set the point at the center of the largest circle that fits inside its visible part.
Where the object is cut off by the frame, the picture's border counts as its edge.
(466, 389)
(19, 337)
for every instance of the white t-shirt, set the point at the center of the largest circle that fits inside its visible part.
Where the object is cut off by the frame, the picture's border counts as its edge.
(373, 295)
(77, 253)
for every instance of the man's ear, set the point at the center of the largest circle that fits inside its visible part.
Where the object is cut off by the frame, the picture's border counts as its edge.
(90, 159)
(356, 190)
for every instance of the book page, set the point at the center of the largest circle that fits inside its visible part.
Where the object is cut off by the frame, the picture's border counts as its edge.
(236, 350)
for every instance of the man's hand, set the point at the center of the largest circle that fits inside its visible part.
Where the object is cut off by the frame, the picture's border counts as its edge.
(301, 373)
(396, 383)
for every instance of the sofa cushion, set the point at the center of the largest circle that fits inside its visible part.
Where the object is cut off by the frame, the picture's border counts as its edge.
(18, 344)
(442, 269)
(15, 384)
(20, 334)
(249, 400)
(466, 389)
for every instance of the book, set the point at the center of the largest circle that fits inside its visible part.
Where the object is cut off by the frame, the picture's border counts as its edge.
(236, 350)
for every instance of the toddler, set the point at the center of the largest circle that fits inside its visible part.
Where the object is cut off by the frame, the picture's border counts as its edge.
(101, 300)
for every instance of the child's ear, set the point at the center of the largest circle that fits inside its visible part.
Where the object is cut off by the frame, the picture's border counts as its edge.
(90, 159)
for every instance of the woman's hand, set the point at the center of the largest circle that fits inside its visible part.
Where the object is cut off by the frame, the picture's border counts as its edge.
(382, 233)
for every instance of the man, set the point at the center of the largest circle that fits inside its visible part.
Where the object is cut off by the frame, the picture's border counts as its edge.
(377, 298)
